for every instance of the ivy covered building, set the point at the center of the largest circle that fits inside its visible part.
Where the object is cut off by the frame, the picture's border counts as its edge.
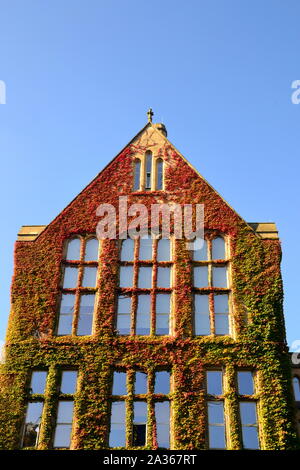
(147, 343)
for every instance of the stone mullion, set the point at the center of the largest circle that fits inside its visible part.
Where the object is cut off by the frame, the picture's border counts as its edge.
(233, 430)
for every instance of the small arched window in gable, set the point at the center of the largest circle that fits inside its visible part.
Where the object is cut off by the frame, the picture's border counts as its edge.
(296, 386)
(218, 248)
(73, 249)
(159, 174)
(148, 170)
(137, 174)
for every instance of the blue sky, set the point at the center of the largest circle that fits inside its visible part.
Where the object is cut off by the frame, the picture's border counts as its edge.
(80, 77)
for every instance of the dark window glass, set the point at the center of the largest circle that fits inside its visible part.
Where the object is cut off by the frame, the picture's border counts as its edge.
(159, 174)
(162, 382)
(245, 383)
(140, 384)
(68, 381)
(86, 309)
(148, 170)
(139, 423)
(296, 386)
(117, 437)
(216, 426)
(162, 417)
(62, 437)
(38, 381)
(91, 250)
(32, 424)
(73, 250)
(214, 382)
(119, 383)
(137, 174)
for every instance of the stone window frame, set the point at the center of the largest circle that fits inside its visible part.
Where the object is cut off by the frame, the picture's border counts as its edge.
(134, 291)
(142, 160)
(150, 398)
(81, 263)
(210, 290)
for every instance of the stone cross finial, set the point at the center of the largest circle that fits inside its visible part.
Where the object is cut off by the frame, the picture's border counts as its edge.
(150, 115)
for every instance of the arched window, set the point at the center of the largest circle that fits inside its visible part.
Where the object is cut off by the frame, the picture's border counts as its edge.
(296, 386)
(218, 248)
(73, 250)
(91, 250)
(137, 174)
(148, 170)
(159, 174)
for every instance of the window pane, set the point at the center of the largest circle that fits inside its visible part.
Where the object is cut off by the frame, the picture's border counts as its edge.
(162, 416)
(216, 425)
(163, 277)
(221, 324)
(216, 437)
(62, 435)
(73, 251)
(68, 381)
(119, 383)
(117, 427)
(137, 173)
(201, 304)
(200, 250)
(202, 324)
(162, 325)
(38, 381)
(65, 412)
(162, 382)
(159, 174)
(85, 320)
(214, 382)
(70, 278)
(248, 413)
(32, 423)
(218, 248)
(250, 437)
(163, 250)
(126, 276)
(245, 383)
(143, 315)
(91, 250)
(140, 384)
(145, 277)
(201, 276)
(123, 317)
(163, 303)
(148, 170)
(219, 276)
(127, 250)
(89, 277)
(221, 303)
(66, 314)
(139, 435)
(145, 252)
(296, 386)
(140, 412)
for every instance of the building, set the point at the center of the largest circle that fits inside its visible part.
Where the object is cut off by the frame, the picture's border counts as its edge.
(147, 343)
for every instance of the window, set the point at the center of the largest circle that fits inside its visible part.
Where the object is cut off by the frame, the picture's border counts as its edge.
(215, 410)
(78, 287)
(145, 287)
(129, 392)
(34, 410)
(211, 287)
(65, 408)
(148, 173)
(248, 410)
(296, 387)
